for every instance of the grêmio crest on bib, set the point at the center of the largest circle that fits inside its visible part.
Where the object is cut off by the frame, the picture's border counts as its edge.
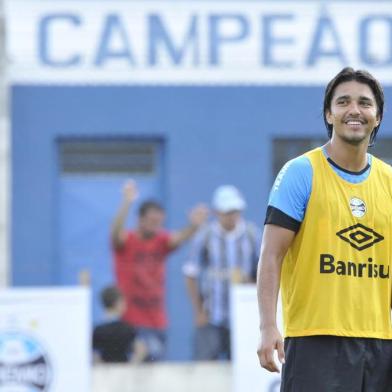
(358, 207)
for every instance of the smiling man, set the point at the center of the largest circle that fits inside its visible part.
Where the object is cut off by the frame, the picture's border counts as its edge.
(326, 244)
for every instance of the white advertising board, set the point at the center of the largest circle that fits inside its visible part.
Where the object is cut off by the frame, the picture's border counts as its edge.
(196, 42)
(45, 340)
(247, 374)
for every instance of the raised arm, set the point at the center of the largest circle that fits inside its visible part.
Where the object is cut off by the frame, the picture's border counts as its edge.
(276, 241)
(197, 217)
(130, 193)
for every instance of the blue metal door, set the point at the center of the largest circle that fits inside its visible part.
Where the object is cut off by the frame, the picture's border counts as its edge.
(88, 203)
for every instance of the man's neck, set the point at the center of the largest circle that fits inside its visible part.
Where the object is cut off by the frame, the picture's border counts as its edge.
(231, 229)
(349, 157)
(112, 314)
(145, 235)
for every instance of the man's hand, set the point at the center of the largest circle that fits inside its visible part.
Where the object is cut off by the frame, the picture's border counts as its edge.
(201, 318)
(198, 215)
(271, 340)
(130, 191)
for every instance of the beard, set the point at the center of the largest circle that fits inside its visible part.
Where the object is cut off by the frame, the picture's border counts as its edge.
(355, 140)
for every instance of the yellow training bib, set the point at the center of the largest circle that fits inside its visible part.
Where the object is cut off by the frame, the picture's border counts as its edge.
(336, 276)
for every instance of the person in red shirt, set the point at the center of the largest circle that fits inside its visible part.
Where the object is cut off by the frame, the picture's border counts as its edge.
(140, 256)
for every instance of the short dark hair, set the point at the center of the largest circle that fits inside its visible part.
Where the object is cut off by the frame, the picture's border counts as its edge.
(361, 76)
(110, 296)
(149, 205)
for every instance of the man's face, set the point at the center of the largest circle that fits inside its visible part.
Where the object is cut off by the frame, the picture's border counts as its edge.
(353, 112)
(151, 222)
(121, 306)
(229, 220)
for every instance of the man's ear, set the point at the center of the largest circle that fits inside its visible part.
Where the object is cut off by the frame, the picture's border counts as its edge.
(328, 116)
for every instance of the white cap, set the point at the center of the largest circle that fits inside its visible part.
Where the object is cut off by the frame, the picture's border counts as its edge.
(228, 198)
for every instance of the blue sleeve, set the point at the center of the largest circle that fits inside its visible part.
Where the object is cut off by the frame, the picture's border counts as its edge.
(291, 190)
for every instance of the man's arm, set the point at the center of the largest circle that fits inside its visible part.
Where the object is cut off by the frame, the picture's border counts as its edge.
(117, 233)
(276, 241)
(197, 217)
(200, 315)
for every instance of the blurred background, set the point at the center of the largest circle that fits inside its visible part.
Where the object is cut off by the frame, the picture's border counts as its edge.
(182, 97)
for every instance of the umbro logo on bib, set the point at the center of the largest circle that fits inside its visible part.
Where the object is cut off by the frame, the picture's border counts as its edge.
(359, 236)
(358, 207)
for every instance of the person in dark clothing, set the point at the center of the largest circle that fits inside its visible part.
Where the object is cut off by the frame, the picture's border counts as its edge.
(114, 340)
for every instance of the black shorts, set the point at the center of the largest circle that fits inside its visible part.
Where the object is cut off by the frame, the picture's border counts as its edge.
(334, 363)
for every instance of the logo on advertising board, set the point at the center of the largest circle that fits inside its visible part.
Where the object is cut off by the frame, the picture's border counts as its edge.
(24, 364)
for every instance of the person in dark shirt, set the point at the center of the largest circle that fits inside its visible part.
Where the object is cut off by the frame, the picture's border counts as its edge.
(114, 340)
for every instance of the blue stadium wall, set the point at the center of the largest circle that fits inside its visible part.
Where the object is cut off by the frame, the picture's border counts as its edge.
(212, 135)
